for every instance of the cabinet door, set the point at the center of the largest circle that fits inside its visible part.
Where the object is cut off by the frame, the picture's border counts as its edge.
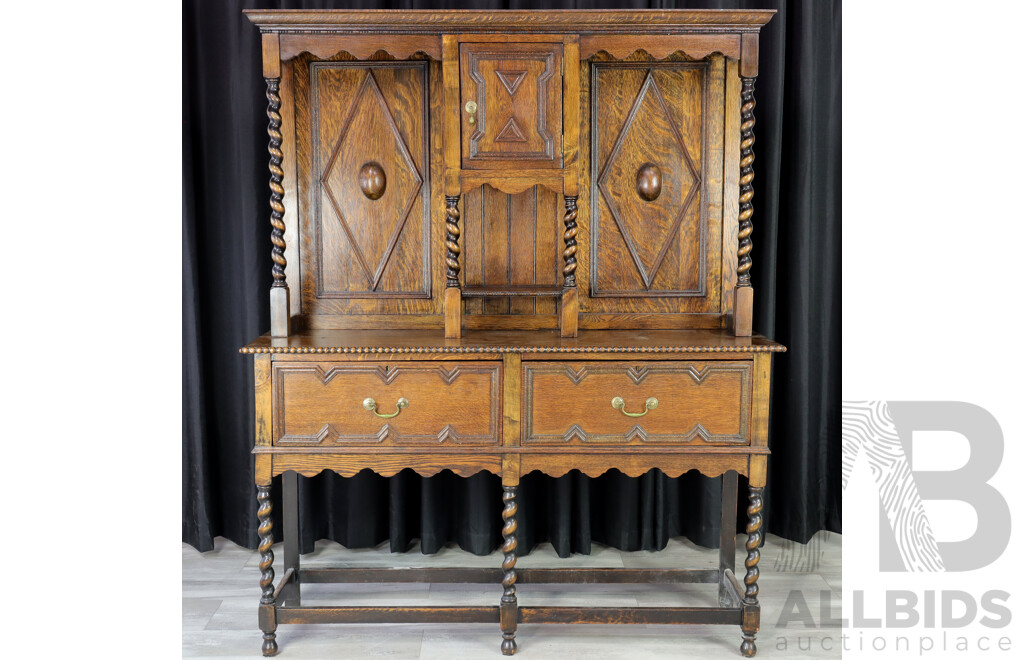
(367, 246)
(656, 186)
(514, 97)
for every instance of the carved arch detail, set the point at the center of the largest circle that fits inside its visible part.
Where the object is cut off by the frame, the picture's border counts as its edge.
(361, 47)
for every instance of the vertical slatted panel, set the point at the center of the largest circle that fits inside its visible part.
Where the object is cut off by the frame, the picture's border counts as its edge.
(549, 236)
(523, 230)
(472, 263)
(511, 240)
(496, 246)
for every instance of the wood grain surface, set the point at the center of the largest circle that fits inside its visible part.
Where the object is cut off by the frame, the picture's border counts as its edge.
(322, 403)
(552, 278)
(569, 404)
(517, 89)
(506, 341)
(635, 21)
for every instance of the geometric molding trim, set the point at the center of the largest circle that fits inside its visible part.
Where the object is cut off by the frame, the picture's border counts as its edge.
(576, 375)
(387, 374)
(511, 132)
(315, 439)
(448, 434)
(699, 375)
(637, 374)
(328, 431)
(448, 375)
(575, 432)
(636, 433)
(511, 80)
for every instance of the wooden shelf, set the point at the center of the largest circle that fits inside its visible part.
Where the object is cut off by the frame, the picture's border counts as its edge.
(513, 341)
(526, 290)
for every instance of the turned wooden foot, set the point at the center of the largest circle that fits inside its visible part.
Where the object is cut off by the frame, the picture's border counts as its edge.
(269, 644)
(509, 605)
(751, 608)
(268, 623)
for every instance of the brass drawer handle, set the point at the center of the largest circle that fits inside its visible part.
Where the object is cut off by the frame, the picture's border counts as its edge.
(371, 405)
(649, 405)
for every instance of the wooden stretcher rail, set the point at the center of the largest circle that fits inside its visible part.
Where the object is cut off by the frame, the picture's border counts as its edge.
(434, 614)
(662, 615)
(523, 576)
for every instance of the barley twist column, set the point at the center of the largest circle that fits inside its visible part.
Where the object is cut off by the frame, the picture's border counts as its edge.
(276, 187)
(452, 292)
(266, 534)
(509, 606)
(451, 241)
(748, 648)
(569, 238)
(746, 227)
(279, 313)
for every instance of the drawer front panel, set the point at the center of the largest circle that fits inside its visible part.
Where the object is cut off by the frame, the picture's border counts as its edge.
(571, 403)
(325, 404)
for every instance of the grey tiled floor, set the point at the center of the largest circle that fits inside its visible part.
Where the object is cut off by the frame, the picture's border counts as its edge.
(220, 592)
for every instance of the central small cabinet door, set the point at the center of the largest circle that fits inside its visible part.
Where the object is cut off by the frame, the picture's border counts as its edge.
(511, 105)
(335, 404)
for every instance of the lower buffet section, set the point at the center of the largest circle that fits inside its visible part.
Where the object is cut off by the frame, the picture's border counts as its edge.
(510, 413)
(281, 602)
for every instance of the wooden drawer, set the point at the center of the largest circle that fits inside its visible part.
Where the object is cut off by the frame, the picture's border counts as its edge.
(324, 403)
(571, 403)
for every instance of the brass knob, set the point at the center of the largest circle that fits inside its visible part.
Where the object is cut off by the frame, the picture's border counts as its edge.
(371, 405)
(372, 180)
(649, 405)
(471, 111)
(648, 182)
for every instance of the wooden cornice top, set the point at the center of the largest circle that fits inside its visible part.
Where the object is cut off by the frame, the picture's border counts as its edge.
(577, 21)
(513, 341)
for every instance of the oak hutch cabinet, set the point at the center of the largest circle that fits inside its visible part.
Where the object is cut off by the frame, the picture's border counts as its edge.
(511, 241)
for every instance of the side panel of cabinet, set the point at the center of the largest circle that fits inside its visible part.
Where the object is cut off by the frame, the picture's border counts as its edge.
(363, 136)
(514, 92)
(655, 184)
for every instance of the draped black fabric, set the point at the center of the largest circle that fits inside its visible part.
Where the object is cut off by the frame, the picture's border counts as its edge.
(226, 277)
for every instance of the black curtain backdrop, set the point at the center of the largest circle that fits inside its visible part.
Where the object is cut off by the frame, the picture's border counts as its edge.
(226, 277)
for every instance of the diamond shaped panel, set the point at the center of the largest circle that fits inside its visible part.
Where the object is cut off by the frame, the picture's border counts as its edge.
(370, 134)
(649, 135)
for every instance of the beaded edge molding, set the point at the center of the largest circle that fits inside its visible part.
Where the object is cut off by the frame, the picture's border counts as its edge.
(776, 348)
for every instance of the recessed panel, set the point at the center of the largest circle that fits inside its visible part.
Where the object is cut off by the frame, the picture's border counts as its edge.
(651, 234)
(370, 180)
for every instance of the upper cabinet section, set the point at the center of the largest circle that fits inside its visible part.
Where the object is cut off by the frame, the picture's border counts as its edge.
(477, 170)
(511, 105)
